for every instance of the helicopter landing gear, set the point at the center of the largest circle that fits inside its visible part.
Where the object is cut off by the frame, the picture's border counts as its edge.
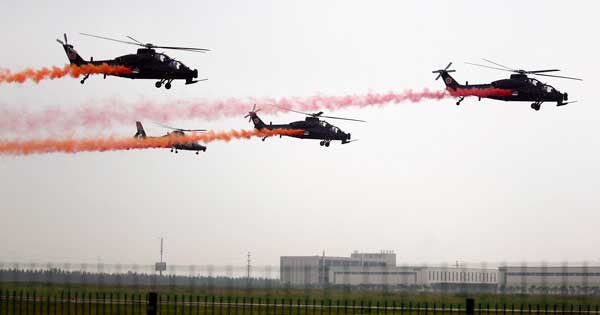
(197, 152)
(171, 149)
(84, 78)
(325, 143)
(159, 84)
(460, 99)
(536, 106)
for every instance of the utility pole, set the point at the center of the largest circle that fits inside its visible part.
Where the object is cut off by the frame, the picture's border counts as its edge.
(161, 254)
(161, 265)
(248, 271)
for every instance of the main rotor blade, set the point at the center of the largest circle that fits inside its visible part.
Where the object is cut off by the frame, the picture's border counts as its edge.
(173, 128)
(295, 111)
(133, 39)
(183, 48)
(476, 64)
(114, 40)
(541, 71)
(320, 115)
(448, 66)
(340, 118)
(497, 64)
(558, 76)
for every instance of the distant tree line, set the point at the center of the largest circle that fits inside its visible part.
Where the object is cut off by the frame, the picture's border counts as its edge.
(58, 276)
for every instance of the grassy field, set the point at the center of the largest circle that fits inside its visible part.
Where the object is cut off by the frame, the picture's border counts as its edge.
(95, 300)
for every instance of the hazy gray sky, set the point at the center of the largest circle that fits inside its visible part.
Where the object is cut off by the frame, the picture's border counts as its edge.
(486, 181)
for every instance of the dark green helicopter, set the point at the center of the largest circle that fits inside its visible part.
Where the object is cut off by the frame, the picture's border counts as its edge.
(518, 88)
(145, 64)
(180, 145)
(313, 127)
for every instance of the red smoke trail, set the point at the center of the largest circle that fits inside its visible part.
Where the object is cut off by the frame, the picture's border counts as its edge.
(486, 92)
(110, 113)
(22, 121)
(36, 75)
(101, 144)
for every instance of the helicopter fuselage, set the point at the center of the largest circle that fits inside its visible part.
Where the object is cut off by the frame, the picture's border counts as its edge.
(145, 64)
(517, 88)
(313, 127)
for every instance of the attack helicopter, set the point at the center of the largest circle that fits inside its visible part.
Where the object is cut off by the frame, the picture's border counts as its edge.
(313, 126)
(187, 145)
(145, 64)
(520, 87)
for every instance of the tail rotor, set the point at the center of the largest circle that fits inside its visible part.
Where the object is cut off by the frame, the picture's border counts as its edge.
(66, 42)
(445, 70)
(252, 113)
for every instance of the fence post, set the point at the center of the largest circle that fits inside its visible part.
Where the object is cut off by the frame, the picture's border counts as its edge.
(152, 308)
(470, 306)
(305, 307)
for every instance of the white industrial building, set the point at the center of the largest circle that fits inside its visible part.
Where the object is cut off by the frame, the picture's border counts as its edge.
(377, 269)
(380, 269)
(549, 278)
(315, 270)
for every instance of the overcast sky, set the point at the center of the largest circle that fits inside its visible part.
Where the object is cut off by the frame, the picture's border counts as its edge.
(486, 181)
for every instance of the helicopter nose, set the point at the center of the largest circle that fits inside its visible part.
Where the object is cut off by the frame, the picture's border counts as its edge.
(195, 73)
(349, 136)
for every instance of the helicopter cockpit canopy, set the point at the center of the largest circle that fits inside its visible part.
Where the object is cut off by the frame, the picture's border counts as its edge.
(534, 82)
(548, 88)
(162, 57)
(329, 126)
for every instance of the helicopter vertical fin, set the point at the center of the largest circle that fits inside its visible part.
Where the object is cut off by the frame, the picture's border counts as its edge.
(74, 57)
(141, 133)
(449, 81)
(258, 123)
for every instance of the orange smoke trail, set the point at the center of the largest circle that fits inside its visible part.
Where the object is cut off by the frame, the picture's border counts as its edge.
(37, 75)
(101, 144)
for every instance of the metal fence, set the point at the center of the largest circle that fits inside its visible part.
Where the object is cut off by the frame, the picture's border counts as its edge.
(96, 303)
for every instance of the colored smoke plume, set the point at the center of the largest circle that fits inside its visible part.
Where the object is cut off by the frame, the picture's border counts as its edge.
(109, 113)
(21, 121)
(101, 144)
(37, 75)
(485, 92)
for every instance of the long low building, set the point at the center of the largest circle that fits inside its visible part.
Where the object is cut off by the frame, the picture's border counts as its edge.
(541, 278)
(380, 269)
